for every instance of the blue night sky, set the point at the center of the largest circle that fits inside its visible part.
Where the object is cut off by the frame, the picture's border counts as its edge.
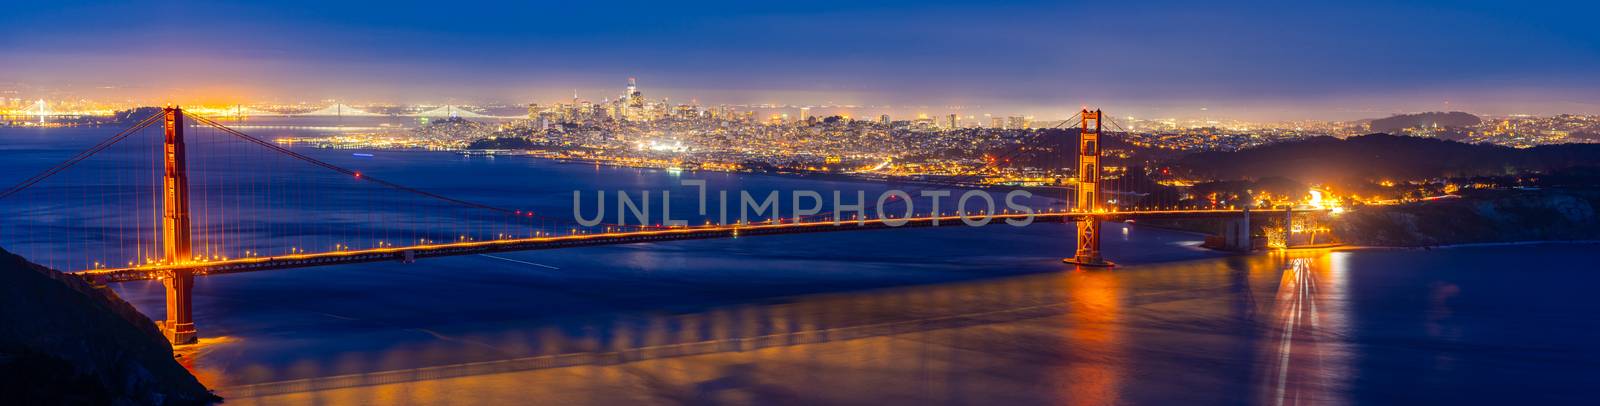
(1236, 58)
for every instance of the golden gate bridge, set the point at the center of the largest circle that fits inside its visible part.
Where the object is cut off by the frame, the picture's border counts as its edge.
(205, 199)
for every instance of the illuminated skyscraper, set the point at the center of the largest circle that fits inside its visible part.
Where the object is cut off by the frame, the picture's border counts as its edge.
(883, 119)
(632, 103)
(953, 122)
(1016, 123)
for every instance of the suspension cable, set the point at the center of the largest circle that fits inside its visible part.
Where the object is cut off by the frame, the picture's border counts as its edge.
(82, 155)
(360, 176)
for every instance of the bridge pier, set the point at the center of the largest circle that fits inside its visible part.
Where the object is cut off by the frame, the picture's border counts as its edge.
(1288, 226)
(179, 325)
(1088, 237)
(1236, 234)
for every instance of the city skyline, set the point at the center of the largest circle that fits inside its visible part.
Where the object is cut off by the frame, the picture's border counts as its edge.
(19, 103)
(1233, 59)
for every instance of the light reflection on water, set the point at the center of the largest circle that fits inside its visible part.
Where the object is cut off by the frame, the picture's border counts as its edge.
(1309, 327)
(1081, 337)
(1305, 353)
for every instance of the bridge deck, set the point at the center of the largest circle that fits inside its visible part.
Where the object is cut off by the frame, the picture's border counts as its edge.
(253, 264)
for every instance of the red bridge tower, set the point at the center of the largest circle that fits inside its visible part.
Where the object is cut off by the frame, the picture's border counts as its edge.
(1089, 192)
(179, 325)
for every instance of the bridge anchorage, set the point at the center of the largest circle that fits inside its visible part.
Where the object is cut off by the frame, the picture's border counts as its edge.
(1088, 185)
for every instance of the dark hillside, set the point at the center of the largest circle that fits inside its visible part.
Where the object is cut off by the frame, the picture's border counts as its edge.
(1477, 217)
(63, 341)
(1382, 156)
(1454, 119)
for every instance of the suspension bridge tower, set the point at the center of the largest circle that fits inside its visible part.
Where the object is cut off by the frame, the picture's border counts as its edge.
(1089, 196)
(179, 325)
